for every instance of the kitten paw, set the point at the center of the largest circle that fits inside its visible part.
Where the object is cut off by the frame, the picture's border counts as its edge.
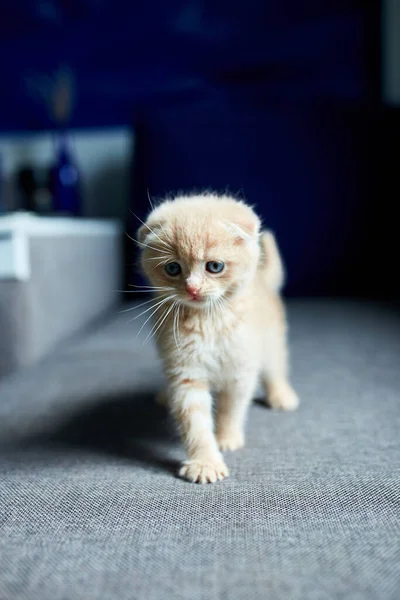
(230, 441)
(283, 397)
(198, 471)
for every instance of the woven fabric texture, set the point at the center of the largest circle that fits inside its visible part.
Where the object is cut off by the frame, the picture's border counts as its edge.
(90, 507)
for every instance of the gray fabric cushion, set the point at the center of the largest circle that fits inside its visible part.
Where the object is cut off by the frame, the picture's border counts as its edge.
(91, 507)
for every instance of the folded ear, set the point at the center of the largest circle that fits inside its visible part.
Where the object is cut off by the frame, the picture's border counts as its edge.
(142, 233)
(245, 225)
(150, 233)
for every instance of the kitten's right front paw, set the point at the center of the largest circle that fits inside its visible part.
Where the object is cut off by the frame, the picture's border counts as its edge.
(198, 471)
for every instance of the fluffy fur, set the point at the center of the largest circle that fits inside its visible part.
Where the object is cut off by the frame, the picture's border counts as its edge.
(225, 338)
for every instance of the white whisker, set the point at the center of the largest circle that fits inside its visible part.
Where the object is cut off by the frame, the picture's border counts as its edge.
(161, 263)
(163, 320)
(225, 304)
(177, 324)
(150, 229)
(154, 312)
(176, 313)
(217, 305)
(163, 256)
(221, 304)
(212, 311)
(161, 225)
(166, 235)
(143, 291)
(162, 301)
(155, 267)
(141, 243)
(151, 287)
(150, 202)
(138, 305)
(158, 319)
(150, 291)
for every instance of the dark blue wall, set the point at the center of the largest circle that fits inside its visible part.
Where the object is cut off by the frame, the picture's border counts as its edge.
(276, 100)
(129, 53)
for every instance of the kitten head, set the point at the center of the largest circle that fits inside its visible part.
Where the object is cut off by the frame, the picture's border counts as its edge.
(200, 249)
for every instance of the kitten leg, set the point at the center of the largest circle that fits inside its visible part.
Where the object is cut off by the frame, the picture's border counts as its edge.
(232, 406)
(192, 407)
(278, 391)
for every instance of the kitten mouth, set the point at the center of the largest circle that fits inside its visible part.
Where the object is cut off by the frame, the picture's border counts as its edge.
(190, 301)
(194, 298)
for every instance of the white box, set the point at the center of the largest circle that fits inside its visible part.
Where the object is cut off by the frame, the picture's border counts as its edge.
(56, 275)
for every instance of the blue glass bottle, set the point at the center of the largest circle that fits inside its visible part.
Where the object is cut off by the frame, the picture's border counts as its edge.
(2, 209)
(65, 184)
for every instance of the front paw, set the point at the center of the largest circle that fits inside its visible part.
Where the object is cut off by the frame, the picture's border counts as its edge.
(229, 441)
(282, 396)
(207, 471)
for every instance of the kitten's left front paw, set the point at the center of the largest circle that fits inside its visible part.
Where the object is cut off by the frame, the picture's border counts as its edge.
(230, 441)
(282, 396)
(198, 471)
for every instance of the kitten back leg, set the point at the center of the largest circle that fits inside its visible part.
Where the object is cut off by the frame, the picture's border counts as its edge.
(191, 404)
(232, 406)
(278, 391)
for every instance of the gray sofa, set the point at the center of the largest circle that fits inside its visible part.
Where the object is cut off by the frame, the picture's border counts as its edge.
(91, 507)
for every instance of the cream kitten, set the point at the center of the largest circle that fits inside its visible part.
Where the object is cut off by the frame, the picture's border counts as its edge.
(221, 325)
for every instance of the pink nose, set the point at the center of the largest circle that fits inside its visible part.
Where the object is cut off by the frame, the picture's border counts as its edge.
(193, 290)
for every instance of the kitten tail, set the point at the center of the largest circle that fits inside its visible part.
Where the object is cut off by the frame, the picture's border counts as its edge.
(271, 265)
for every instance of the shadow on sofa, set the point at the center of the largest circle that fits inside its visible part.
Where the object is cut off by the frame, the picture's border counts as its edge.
(125, 426)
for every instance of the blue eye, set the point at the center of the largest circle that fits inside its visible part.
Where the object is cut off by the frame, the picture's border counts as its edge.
(173, 269)
(215, 266)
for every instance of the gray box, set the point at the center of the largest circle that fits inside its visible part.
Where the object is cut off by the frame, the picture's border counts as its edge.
(56, 275)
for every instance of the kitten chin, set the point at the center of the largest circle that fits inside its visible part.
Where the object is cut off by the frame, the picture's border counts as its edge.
(219, 321)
